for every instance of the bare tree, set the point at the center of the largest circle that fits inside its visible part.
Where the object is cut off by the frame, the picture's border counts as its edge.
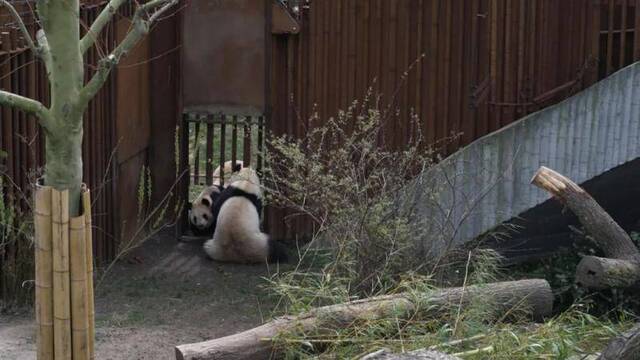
(60, 47)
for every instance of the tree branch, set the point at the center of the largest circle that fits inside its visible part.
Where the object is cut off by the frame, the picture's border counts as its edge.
(27, 105)
(101, 21)
(23, 28)
(45, 53)
(139, 28)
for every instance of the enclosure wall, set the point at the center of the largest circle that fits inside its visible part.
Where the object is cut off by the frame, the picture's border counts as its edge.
(463, 67)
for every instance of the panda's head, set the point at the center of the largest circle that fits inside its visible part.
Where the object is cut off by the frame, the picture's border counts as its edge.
(200, 212)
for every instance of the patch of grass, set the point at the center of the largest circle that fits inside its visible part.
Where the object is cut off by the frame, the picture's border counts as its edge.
(475, 332)
(129, 318)
(368, 242)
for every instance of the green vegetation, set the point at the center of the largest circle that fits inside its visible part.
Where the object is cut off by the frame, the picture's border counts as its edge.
(16, 250)
(342, 178)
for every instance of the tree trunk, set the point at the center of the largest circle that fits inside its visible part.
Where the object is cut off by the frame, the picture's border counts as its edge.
(621, 268)
(63, 147)
(602, 273)
(256, 343)
(623, 347)
(63, 167)
(611, 238)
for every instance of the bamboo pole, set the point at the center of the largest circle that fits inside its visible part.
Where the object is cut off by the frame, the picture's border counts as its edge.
(61, 286)
(86, 207)
(44, 271)
(78, 276)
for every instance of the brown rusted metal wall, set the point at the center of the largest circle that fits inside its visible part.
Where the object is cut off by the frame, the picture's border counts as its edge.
(224, 56)
(117, 125)
(465, 67)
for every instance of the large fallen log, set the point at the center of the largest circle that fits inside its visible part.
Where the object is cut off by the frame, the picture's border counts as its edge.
(258, 343)
(623, 347)
(621, 266)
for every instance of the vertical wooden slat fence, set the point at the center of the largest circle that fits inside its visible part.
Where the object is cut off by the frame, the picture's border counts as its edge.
(463, 66)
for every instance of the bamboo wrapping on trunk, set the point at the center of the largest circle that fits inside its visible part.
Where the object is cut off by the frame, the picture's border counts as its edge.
(78, 276)
(61, 286)
(86, 208)
(44, 271)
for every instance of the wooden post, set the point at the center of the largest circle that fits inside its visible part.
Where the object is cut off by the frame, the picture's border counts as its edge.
(44, 274)
(78, 276)
(61, 286)
(91, 314)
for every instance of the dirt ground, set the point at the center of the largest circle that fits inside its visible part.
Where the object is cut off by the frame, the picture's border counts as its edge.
(174, 295)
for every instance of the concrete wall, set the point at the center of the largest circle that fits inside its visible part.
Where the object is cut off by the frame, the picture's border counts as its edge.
(488, 182)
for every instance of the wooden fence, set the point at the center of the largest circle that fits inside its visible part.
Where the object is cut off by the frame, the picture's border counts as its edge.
(464, 67)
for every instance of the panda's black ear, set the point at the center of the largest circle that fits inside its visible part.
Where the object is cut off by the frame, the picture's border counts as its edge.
(189, 206)
(206, 201)
(237, 168)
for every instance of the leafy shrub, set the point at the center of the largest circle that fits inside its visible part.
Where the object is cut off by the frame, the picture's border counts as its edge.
(343, 177)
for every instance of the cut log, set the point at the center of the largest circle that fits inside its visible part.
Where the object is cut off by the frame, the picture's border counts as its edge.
(257, 343)
(611, 238)
(621, 268)
(603, 273)
(385, 354)
(623, 347)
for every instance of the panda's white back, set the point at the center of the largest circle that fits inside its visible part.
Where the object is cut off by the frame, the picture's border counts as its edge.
(237, 236)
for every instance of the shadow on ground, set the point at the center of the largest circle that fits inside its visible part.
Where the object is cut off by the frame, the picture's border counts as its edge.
(166, 294)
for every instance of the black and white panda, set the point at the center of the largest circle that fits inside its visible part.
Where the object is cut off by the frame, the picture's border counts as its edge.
(237, 236)
(200, 210)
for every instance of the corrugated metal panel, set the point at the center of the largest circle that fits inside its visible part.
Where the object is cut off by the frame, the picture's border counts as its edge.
(488, 182)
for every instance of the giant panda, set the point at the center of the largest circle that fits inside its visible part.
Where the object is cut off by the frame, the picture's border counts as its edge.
(229, 169)
(237, 236)
(200, 210)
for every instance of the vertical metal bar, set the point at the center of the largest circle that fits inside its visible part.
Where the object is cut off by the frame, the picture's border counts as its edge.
(247, 141)
(612, 10)
(594, 39)
(636, 32)
(183, 175)
(209, 155)
(223, 140)
(7, 116)
(234, 143)
(522, 45)
(431, 77)
(261, 124)
(420, 66)
(623, 33)
(196, 155)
